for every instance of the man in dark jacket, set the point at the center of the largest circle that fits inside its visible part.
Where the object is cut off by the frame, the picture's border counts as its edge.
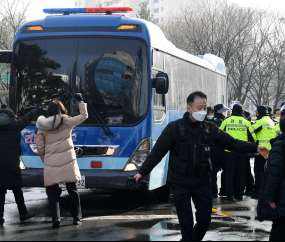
(218, 156)
(10, 151)
(271, 205)
(189, 141)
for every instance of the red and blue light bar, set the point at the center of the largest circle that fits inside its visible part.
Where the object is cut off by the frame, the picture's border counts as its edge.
(88, 10)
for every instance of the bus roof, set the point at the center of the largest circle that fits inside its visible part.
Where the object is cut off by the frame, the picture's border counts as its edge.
(106, 25)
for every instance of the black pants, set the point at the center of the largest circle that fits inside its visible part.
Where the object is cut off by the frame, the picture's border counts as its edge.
(249, 180)
(259, 168)
(19, 198)
(218, 163)
(235, 168)
(53, 198)
(277, 232)
(202, 198)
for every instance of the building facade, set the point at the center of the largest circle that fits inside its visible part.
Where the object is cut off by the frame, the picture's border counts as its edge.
(160, 9)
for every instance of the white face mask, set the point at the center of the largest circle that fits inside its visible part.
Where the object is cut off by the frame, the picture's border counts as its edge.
(278, 119)
(210, 117)
(199, 116)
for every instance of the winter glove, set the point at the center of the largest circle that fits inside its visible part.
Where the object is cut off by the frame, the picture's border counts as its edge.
(39, 107)
(78, 97)
(141, 186)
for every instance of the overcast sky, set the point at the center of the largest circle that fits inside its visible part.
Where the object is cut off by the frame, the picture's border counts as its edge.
(37, 7)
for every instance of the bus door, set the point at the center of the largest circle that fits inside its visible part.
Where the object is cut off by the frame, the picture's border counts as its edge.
(158, 176)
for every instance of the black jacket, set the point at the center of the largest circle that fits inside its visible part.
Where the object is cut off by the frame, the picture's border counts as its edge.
(10, 151)
(219, 118)
(273, 184)
(191, 168)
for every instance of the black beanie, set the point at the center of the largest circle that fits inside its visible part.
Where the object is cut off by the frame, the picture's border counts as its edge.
(262, 110)
(269, 109)
(237, 108)
(246, 113)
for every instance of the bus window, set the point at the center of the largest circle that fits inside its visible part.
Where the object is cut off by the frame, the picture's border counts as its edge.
(112, 73)
(4, 84)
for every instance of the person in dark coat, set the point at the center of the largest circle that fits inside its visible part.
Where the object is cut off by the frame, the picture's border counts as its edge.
(218, 155)
(10, 151)
(271, 204)
(189, 141)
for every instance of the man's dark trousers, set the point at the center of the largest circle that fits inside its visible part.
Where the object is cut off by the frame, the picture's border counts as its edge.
(19, 198)
(236, 166)
(259, 168)
(218, 163)
(54, 203)
(203, 201)
(249, 180)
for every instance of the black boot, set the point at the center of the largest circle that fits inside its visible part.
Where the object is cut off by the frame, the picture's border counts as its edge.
(27, 216)
(77, 221)
(56, 224)
(239, 197)
(2, 220)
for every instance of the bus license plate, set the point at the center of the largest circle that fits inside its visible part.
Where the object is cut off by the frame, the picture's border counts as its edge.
(80, 185)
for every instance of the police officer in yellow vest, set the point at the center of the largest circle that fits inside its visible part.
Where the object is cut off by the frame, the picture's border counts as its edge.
(264, 130)
(241, 129)
(277, 131)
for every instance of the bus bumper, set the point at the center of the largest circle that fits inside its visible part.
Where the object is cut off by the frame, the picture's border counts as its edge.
(98, 179)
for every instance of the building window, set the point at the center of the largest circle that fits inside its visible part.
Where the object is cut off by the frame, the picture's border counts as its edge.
(156, 20)
(156, 10)
(155, 1)
(162, 19)
(162, 9)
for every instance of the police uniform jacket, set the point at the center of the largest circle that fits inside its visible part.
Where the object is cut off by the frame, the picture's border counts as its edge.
(189, 144)
(239, 128)
(264, 130)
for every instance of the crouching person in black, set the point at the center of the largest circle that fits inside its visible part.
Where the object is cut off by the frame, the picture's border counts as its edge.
(189, 141)
(10, 151)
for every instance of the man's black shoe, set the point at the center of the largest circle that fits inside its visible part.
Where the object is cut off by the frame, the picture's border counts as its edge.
(77, 221)
(215, 196)
(56, 224)
(230, 198)
(222, 194)
(238, 197)
(26, 217)
(2, 220)
(249, 193)
(255, 196)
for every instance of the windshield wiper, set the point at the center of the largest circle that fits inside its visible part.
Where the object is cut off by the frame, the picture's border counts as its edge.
(103, 125)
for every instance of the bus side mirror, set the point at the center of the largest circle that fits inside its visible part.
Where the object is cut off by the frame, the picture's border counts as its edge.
(5, 56)
(161, 83)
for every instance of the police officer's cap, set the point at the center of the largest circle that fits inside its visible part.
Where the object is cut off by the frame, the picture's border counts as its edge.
(269, 109)
(237, 108)
(262, 110)
(221, 107)
(246, 113)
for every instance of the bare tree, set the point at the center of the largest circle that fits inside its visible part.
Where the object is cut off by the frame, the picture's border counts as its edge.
(13, 13)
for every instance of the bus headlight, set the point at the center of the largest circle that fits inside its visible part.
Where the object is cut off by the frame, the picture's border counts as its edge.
(139, 156)
(34, 149)
(22, 165)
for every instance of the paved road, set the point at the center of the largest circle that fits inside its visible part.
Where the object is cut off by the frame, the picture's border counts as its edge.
(126, 216)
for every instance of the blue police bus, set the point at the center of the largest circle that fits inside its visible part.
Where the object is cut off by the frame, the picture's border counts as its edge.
(134, 80)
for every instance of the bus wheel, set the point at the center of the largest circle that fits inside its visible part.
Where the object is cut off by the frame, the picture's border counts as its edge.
(163, 193)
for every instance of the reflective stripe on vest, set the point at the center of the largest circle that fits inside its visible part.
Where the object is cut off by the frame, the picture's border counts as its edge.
(264, 141)
(236, 125)
(267, 125)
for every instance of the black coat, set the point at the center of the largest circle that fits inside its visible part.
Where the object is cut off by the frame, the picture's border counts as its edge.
(10, 151)
(273, 184)
(184, 171)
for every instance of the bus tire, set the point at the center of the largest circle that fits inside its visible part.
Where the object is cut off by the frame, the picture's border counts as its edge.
(163, 193)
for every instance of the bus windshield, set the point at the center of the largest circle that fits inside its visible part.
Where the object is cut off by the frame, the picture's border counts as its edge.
(111, 72)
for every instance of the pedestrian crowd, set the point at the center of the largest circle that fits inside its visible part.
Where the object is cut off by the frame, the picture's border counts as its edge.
(206, 141)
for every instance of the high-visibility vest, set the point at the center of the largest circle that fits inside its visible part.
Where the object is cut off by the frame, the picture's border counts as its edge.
(277, 130)
(264, 130)
(239, 128)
